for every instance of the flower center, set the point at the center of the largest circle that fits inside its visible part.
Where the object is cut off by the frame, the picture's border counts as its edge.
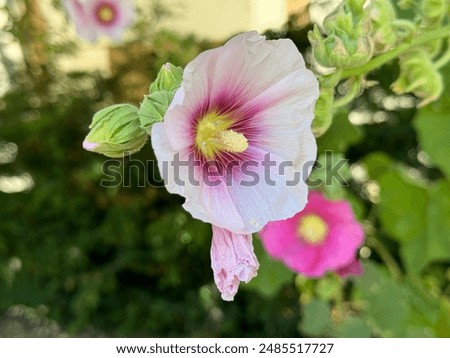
(214, 136)
(106, 13)
(313, 229)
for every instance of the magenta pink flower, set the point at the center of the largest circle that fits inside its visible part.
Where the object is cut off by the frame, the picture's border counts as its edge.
(238, 104)
(94, 18)
(325, 236)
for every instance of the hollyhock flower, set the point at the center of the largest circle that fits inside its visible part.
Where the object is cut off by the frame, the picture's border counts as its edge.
(325, 236)
(94, 18)
(237, 104)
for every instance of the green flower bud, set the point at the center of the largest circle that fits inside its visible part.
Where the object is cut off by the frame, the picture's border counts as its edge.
(115, 131)
(406, 4)
(382, 15)
(323, 112)
(340, 50)
(417, 75)
(347, 44)
(320, 52)
(162, 90)
(433, 48)
(433, 11)
(356, 7)
(349, 18)
(169, 79)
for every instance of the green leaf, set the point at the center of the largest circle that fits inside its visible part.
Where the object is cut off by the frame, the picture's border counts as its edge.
(377, 163)
(402, 207)
(417, 217)
(442, 325)
(272, 275)
(433, 125)
(433, 128)
(354, 327)
(316, 318)
(425, 309)
(438, 228)
(412, 213)
(385, 302)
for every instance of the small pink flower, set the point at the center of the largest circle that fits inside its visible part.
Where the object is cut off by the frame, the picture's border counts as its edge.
(237, 104)
(325, 236)
(94, 18)
(232, 261)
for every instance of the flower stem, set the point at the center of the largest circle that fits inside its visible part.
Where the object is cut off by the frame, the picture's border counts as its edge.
(442, 61)
(386, 256)
(376, 62)
(348, 97)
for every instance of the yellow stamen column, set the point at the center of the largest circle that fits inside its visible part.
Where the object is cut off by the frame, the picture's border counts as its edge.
(213, 136)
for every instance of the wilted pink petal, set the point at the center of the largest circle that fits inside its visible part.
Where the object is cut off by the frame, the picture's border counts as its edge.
(325, 236)
(232, 261)
(353, 269)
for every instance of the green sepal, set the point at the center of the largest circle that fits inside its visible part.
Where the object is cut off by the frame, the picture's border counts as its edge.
(162, 90)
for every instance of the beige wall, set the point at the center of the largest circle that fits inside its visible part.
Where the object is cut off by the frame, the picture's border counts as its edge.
(219, 19)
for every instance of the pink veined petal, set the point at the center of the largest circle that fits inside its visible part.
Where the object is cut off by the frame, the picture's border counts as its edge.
(211, 204)
(246, 203)
(272, 196)
(165, 155)
(232, 261)
(215, 205)
(179, 128)
(285, 131)
(246, 65)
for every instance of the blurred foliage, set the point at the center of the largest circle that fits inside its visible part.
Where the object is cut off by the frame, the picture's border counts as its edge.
(80, 259)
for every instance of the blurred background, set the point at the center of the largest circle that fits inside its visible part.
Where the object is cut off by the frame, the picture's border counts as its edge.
(81, 260)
